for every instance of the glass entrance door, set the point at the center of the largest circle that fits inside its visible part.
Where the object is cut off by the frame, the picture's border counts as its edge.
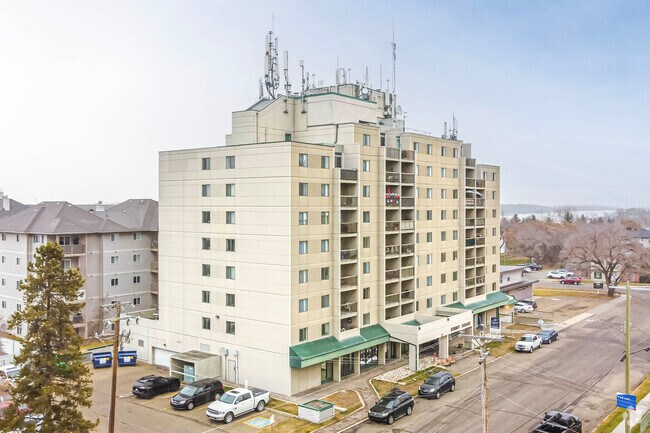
(326, 372)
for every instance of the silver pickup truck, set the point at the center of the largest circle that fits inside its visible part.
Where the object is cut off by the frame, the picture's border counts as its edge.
(236, 402)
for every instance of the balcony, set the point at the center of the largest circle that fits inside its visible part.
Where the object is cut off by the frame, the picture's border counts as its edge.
(392, 275)
(470, 222)
(408, 155)
(348, 202)
(348, 255)
(349, 228)
(154, 267)
(470, 182)
(392, 177)
(474, 242)
(407, 225)
(392, 202)
(349, 175)
(408, 178)
(408, 202)
(407, 296)
(408, 249)
(154, 245)
(154, 288)
(470, 162)
(392, 250)
(480, 183)
(470, 262)
(392, 153)
(469, 282)
(476, 202)
(480, 261)
(392, 300)
(349, 282)
(349, 309)
(480, 280)
(72, 250)
(408, 272)
(392, 226)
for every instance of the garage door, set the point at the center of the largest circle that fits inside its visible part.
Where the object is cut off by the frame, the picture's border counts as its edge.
(162, 356)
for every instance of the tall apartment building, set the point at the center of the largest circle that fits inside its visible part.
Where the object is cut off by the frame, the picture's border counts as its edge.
(321, 239)
(114, 248)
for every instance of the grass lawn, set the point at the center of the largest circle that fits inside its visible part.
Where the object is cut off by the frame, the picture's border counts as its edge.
(502, 348)
(545, 291)
(522, 327)
(513, 260)
(295, 425)
(343, 399)
(283, 406)
(616, 417)
(410, 384)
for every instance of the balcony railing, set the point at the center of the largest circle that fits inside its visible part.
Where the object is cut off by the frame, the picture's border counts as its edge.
(349, 281)
(392, 203)
(470, 162)
(348, 202)
(392, 177)
(392, 226)
(408, 178)
(348, 309)
(469, 282)
(73, 249)
(470, 222)
(408, 272)
(480, 183)
(154, 287)
(478, 202)
(470, 182)
(407, 296)
(474, 242)
(348, 254)
(392, 275)
(470, 262)
(408, 202)
(349, 174)
(392, 250)
(347, 228)
(480, 280)
(154, 245)
(392, 153)
(480, 241)
(154, 267)
(408, 249)
(480, 260)
(392, 300)
(408, 155)
(480, 222)
(407, 225)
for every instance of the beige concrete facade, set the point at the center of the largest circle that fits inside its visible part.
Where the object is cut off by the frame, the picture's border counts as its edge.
(319, 220)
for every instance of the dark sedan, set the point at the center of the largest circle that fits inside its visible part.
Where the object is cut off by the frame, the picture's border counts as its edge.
(196, 393)
(151, 386)
(548, 336)
(437, 384)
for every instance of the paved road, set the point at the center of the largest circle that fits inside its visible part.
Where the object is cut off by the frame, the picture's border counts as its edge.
(581, 373)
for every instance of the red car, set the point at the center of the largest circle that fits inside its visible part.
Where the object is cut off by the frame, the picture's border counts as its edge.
(571, 280)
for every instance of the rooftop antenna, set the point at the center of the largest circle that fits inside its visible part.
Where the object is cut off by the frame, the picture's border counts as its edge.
(271, 69)
(394, 45)
(365, 78)
(444, 134)
(287, 83)
(302, 90)
(454, 128)
(261, 88)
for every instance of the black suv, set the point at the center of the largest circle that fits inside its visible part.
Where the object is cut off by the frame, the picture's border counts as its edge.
(559, 422)
(196, 393)
(437, 384)
(393, 405)
(532, 266)
(150, 386)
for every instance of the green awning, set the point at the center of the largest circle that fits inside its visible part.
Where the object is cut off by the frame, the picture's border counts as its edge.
(491, 301)
(325, 349)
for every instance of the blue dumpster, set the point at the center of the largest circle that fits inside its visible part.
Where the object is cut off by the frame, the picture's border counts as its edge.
(126, 357)
(102, 359)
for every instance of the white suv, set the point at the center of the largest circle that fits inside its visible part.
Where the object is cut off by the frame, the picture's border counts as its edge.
(528, 343)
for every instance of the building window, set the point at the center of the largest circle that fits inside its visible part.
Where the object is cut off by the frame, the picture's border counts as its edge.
(230, 245)
(303, 305)
(443, 236)
(324, 161)
(230, 328)
(303, 276)
(429, 259)
(205, 270)
(115, 282)
(4, 304)
(455, 152)
(4, 259)
(18, 261)
(454, 235)
(136, 279)
(366, 139)
(454, 173)
(455, 296)
(494, 268)
(115, 237)
(429, 236)
(325, 301)
(136, 258)
(37, 239)
(455, 255)
(303, 247)
(205, 323)
(443, 172)
(303, 160)
(443, 299)
(429, 192)
(366, 293)
(366, 216)
(429, 171)
(443, 193)
(443, 214)
(366, 267)
(136, 301)
(205, 163)
(366, 319)
(325, 190)
(230, 190)
(429, 281)
(205, 217)
(494, 250)
(205, 243)
(205, 190)
(302, 334)
(230, 272)
(366, 241)
(19, 330)
(494, 231)
(494, 286)
(455, 193)
(137, 236)
(324, 246)
(484, 175)
(416, 146)
(230, 299)
(443, 257)
(325, 329)
(454, 214)
(303, 189)
(598, 275)
(443, 151)
(366, 165)
(454, 276)
(4, 236)
(494, 176)
(230, 162)
(429, 149)
(366, 190)
(443, 278)
(429, 302)
(325, 273)
(114, 259)
(324, 217)
(66, 264)
(230, 217)
(429, 215)
(494, 213)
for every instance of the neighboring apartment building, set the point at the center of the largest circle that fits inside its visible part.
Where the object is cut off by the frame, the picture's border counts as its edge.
(322, 239)
(115, 249)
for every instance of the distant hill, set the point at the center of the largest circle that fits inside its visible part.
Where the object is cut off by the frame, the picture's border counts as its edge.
(525, 209)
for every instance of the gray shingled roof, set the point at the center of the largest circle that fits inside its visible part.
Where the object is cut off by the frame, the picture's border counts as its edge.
(65, 218)
(642, 234)
(14, 207)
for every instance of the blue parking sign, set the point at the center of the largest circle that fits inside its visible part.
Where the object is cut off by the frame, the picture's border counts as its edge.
(626, 401)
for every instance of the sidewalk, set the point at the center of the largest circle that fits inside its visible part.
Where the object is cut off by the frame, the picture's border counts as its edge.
(641, 408)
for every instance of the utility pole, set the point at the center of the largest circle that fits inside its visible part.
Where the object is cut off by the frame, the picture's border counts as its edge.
(480, 341)
(116, 347)
(627, 352)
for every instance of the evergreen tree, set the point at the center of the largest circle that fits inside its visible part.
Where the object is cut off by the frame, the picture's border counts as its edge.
(53, 381)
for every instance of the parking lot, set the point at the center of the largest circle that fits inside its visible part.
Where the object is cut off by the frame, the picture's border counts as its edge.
(156, 415)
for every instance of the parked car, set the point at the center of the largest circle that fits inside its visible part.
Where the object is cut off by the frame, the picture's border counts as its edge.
(556, 274)
(196, 393)
(571, 280)
(530, 302)
(9, 371)
(236, 402)
(532, 266)
(522, 307)
(392, 406)
(559, 422)
(437, 384)
(548, 335)
(150, 386)
(528, 343)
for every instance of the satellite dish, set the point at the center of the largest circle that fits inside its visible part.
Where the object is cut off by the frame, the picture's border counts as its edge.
(399, 110)
(364, 90)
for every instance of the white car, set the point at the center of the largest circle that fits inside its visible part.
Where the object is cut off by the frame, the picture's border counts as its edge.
(528, 343)
(559, 274)
(522, 307)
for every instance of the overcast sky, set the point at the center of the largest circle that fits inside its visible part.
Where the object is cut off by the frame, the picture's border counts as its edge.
(555, 92)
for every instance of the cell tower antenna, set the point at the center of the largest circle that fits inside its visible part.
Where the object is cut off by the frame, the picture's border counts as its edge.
(394, 45)
(302, 90)
(287, 83)
(381, 77)
(444, 134)
(365, 78)
(271, 69)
